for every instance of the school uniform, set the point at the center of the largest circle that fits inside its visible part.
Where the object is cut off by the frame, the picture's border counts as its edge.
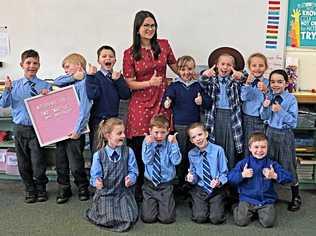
(279, 131)
(158, 200)
(106, 94)
(252, 99)
(185, 112)
(223, 117)
(69, 152)
(31, 162)
(114, 206)
(205, 165)
(257, 194)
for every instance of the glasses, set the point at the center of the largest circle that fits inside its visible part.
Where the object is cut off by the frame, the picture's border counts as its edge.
(148, 26)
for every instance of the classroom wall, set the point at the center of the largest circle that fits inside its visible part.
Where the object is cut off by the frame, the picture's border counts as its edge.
(58, 27)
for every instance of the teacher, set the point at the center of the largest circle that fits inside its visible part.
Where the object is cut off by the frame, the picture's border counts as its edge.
(144, 67)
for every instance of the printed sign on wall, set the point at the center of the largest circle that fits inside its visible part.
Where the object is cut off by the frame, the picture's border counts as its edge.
(301, 25)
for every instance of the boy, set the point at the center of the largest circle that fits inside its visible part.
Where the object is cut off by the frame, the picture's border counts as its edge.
(280, 111)
(102, 85)
(254, 176)
(31, 162)
(160, 156)
(69, 152)
(185, 96)
(208, 173)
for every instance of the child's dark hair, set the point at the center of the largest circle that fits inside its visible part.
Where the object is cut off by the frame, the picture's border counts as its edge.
(257, 137)
(29, 53)
(182, 61)
(195, 125)
(159, 121)
(105, 127)
(105, 47)
(259, 55)
(280, 72)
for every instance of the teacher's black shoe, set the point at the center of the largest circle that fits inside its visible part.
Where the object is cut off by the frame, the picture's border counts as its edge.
(295, 204)
(63, 195)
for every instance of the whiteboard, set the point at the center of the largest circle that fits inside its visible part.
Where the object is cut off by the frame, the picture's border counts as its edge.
(56, 28)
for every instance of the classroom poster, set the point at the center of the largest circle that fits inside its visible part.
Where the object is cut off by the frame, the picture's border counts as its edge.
(301, 25)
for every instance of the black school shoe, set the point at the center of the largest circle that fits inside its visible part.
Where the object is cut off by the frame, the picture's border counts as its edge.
(63, 195)
(30, 197)
(41, 194)
(83, 194)
(295, 204)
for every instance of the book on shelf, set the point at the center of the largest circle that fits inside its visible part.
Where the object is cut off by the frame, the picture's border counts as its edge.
(305, 161)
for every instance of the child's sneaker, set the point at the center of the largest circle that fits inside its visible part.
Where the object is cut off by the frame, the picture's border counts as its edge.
(30, 197)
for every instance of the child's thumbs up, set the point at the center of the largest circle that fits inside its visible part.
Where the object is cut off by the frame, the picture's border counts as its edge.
(246, 166)
(148, 138)
(198, 99)
(8, 82)
(173, 138)
(189, 178)
(92, 70)
(167, 103)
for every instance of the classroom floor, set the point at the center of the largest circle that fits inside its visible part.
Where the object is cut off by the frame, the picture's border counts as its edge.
(18, 218)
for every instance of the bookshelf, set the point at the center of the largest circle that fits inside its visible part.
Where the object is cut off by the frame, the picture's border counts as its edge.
(305, 140)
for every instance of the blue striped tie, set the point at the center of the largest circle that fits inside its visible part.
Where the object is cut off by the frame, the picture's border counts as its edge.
(206, 173)
(156, 176)
(32, 87)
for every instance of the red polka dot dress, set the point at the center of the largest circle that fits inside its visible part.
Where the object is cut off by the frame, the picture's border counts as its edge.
(145, 103)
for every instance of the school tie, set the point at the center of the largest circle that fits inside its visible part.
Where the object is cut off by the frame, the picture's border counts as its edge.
(255, 82)
(206, 173)
(277, 99)
(115, 156)
(156, 176)
(32, 87)
(224, 81)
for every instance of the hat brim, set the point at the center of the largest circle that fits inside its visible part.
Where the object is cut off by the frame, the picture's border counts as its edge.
(239, 59)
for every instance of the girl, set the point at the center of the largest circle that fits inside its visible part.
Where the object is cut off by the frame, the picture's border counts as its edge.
(223, 117)
(281, 111)
(114, 170)
(252, 95)
(144, 67)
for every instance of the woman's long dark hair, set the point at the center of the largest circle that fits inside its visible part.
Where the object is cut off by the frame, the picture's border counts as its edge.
(139, 19)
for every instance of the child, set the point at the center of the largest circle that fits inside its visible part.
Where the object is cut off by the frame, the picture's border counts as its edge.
(31, 162)
(208, 173)
(160, 156)
(102, 85)
(252, 95)
(280, 110)
(113, 172)
(223, 117)
(69, 153)
(255, 176)
(185, 96)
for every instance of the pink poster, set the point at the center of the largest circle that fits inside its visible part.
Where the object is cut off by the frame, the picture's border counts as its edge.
(54, 116)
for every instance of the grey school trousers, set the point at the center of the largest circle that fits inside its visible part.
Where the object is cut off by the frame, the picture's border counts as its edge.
(245, 211)
(158, 203)
(207, 207)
